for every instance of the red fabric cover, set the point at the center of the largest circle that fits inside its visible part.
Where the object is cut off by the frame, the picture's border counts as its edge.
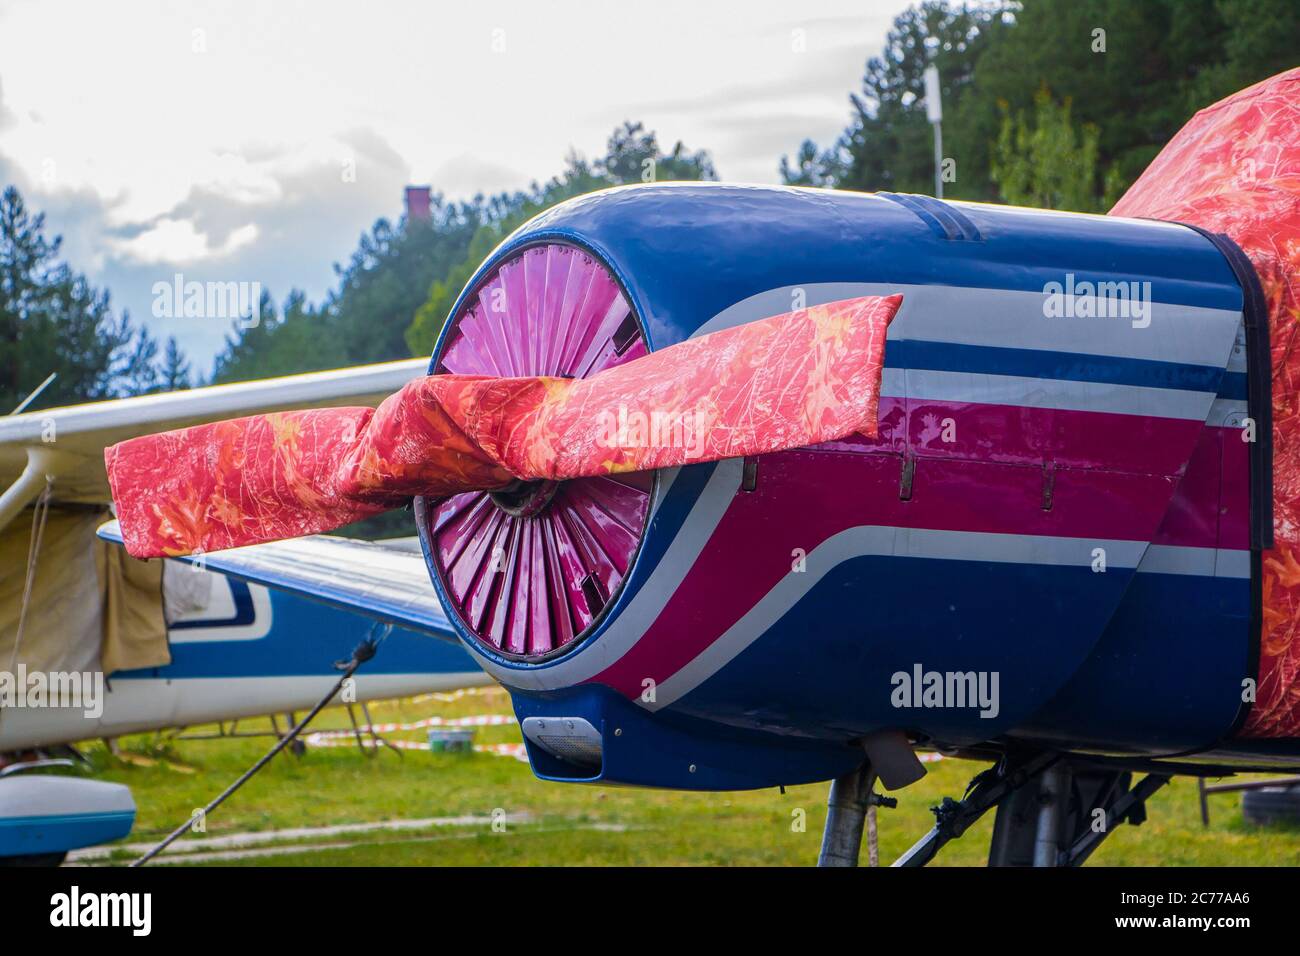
(1235, 168)
(791, 380)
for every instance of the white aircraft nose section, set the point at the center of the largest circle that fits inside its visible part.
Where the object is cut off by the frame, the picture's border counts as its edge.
(42, 814)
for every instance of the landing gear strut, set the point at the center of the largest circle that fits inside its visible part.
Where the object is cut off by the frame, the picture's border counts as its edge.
(846, 813)
(1065, 814)
(1051, 811)
(986, 791)
(891, 759)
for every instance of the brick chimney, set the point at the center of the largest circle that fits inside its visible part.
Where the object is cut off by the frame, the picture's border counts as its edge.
(419, 204)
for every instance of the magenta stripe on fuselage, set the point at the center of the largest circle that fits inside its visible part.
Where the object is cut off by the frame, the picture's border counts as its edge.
(848, 484)
(1141, 444)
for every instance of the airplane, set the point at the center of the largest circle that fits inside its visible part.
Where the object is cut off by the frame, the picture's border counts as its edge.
(178, 645)
(1061, 542)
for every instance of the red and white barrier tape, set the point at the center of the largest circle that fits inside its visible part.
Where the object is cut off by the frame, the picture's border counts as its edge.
(476, 720)
(499, 750)
(447, 697)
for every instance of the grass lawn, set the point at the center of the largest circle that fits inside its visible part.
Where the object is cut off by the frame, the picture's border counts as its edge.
(547, 823)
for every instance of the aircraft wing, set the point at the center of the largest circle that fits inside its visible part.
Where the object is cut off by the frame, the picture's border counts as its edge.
(385, 581)
(69, 442)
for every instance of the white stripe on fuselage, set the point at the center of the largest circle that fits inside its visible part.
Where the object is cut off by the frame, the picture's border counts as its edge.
(977, 388)
(1011, 319)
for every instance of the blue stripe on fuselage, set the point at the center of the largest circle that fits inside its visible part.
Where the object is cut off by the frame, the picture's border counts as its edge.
(1068, 366)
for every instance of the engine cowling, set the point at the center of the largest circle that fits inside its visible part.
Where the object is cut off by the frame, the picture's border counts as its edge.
(1056, 510)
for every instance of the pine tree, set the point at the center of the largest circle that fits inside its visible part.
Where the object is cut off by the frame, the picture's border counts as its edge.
(175, 373)
(53, 320)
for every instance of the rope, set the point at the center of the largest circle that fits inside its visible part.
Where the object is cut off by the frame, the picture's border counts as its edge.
(363, 652)
(39, 516)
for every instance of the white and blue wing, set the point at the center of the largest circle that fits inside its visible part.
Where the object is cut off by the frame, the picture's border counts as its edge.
(386, 581)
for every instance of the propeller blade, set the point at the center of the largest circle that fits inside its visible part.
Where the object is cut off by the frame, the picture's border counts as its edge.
(784, 382)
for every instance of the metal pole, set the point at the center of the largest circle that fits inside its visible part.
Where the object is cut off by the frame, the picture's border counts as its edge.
(846, 814)
(35, 393)
(1052, 796)
(938, 160)
(934, 113)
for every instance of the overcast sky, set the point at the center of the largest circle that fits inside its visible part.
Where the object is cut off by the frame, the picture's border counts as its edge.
(214, 139)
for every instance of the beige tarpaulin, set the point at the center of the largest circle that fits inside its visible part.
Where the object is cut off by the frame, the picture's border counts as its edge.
(91, 606)
(135, 629)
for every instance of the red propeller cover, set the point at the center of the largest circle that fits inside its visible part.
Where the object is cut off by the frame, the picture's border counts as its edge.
(790, 380)
(1235, 169)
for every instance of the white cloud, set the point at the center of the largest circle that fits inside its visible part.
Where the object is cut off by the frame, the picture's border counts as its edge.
(177, 241)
